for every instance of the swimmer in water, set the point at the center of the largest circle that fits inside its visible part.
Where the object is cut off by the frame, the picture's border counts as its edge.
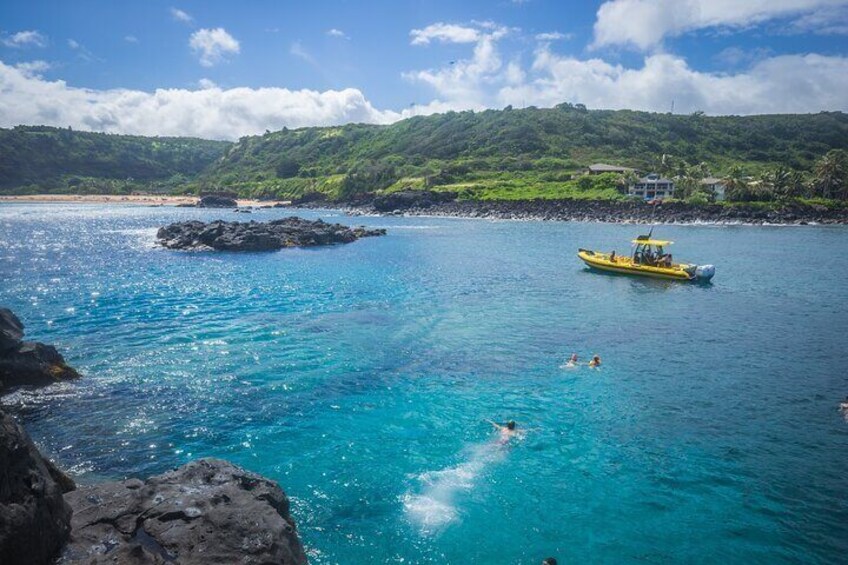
(843, 406)
(596, 361)
(507, 431)
(572, 362)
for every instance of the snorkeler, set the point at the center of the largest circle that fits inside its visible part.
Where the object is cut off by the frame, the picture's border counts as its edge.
(572, 361)
(596, 361)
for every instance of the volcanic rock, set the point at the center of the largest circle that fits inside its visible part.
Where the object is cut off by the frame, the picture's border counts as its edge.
(206, 512)
(258, 236)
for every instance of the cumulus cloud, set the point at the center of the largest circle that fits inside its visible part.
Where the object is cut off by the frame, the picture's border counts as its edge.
(446, 33)
(781, 84)
(212, 112)
(130, 39)
(29, 38)
(33, 68)
(464, 83)
(786, 83)
(643, 24)
(181, 16)
(211, 45)
(337, 33)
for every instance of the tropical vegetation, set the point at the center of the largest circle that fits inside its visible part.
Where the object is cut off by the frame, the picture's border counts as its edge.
(494, 154)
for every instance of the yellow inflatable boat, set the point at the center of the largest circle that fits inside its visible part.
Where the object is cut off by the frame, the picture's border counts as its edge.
(648, 259)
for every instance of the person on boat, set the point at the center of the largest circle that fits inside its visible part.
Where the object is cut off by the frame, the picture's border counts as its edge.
(596, 361)
(612, 256)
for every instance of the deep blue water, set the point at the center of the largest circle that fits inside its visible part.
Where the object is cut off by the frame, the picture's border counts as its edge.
(361, 377)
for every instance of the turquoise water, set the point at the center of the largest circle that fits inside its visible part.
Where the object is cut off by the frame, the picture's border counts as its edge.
(361, 378)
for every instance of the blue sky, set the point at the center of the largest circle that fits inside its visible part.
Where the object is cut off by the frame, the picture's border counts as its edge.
(225, 69)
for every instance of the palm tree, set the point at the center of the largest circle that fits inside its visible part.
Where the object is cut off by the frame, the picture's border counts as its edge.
(735, 184)
(830, 175)
(776, 182)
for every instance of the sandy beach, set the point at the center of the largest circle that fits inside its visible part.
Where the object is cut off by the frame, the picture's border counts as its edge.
(146, 200)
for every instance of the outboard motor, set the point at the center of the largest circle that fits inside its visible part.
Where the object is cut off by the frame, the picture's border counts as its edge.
(704, 272)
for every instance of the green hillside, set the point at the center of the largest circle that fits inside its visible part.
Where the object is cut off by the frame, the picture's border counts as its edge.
(495, 154)
(47, 159)
(520, 153)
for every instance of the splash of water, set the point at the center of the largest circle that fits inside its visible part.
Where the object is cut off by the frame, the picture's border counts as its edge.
(435, 506)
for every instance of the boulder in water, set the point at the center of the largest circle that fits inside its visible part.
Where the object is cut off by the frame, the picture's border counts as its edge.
(27, 362)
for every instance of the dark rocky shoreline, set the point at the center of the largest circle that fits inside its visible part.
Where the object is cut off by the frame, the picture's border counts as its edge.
(426, 203)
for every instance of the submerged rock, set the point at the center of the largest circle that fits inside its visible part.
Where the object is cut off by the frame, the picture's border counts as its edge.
(27, 362)
(258, 236)
(208, 511)
(34, 518)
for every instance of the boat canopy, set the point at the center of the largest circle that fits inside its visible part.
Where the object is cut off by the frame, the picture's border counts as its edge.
(651, 242)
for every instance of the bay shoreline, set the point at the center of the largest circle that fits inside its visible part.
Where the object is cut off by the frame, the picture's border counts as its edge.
(627, 212)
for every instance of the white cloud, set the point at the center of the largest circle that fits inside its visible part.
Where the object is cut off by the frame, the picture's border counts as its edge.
(788, 83)
(130, 39)
(553, 36)
(300, 52)
(645, 23)
(205, 83)
(181, 16)
(736, 56)
(782, 84)
(29, 38)
(337, 33)
(212, 112)
(33, 68)
(73, 44)
(464, 83)
(831, 20)
(446, 33)
(211, 45)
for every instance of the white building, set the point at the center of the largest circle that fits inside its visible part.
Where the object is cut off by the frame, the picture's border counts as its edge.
(714, 185)
(652, 187)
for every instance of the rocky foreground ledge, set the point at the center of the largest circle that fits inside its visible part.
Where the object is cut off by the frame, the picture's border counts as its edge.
(206, 512)
(259, 236)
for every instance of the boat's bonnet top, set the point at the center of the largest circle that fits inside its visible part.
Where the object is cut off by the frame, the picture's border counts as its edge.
(652, 242)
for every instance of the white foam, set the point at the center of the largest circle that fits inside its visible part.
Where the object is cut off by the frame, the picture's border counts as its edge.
(435, 506)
